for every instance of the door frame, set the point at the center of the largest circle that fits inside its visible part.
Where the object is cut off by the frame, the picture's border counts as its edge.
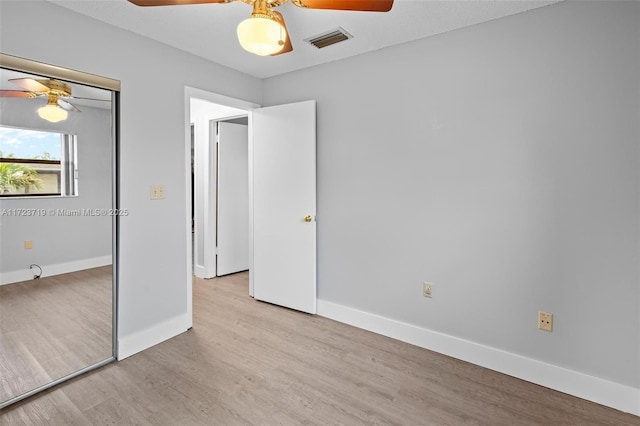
(189, 93)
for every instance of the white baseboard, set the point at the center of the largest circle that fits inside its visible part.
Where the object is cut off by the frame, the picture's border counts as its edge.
(26, 274)
(611, 394)
(201, 272)
(158, 333)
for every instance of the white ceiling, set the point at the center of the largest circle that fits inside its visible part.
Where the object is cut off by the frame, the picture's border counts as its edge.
(209, 30)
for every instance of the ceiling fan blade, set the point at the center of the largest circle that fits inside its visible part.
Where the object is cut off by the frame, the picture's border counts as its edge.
(66, 105)
(288, 47)
(30, 84)
(174, 2)
(361, 5)
(87, 99)
(16, 94)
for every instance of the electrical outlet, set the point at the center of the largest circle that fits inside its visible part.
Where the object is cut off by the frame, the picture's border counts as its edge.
(157, 192)
(427, 289)
(545, 321)
(28, 245)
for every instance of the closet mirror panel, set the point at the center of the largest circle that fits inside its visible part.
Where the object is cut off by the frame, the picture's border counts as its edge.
(57, 227)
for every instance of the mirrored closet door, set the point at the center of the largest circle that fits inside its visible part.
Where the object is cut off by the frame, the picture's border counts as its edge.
(58, 218)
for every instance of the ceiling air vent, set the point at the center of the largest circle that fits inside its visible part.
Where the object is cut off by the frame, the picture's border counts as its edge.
(329, 38)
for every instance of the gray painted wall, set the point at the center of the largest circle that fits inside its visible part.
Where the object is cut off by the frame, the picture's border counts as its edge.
(501, 163)
(153, 267)
(59, 239)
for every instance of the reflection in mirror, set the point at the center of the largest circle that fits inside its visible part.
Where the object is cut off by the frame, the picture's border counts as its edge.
(56, 227)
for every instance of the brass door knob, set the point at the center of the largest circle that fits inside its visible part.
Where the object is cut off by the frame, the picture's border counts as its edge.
(307, 218)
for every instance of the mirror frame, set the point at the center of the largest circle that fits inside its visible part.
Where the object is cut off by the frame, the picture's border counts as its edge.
(46, 70)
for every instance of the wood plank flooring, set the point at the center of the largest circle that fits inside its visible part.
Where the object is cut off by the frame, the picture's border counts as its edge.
(52, 327)
(246, 362)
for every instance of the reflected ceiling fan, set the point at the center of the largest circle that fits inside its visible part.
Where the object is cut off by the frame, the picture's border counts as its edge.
(56, 91)
(265, 32)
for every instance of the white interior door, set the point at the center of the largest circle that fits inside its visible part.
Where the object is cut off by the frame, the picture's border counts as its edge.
(233, 198)
(283, 194)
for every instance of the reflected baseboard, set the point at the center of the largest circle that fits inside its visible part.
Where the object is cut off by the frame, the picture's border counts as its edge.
(54, 269)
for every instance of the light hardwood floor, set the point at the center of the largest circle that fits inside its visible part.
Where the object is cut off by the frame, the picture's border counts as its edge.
(52, 327)
(246, 362)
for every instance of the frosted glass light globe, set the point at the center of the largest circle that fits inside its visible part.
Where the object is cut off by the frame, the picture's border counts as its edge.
(52, 113)
(261, 35)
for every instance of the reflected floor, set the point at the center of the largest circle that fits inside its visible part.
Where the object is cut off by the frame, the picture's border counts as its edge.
(52, 327)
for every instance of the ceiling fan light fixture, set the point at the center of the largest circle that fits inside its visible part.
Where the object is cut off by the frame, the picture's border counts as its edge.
(52, 111)
(262, 35)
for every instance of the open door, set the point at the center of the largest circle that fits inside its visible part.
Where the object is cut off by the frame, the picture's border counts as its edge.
(233, 199)
(283, 193)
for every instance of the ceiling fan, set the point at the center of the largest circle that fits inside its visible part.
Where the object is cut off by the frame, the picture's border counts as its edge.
(56, 91)
(265, 32)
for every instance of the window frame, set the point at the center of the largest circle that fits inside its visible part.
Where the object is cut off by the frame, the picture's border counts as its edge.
(68, 162)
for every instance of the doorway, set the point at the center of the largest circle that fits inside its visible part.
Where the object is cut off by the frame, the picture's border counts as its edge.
(282, 198)
(220, 189)
(203, 113)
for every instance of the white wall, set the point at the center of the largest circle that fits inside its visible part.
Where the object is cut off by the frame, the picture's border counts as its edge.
(501, 163)
(153, 292)
(60, 241)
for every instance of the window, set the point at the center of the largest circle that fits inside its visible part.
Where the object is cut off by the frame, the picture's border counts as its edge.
(37, 163)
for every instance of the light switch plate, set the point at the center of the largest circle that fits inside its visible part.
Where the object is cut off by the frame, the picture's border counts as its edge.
(427, 289)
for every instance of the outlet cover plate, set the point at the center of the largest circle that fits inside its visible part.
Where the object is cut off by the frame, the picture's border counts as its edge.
(545, 321)
(157, 192)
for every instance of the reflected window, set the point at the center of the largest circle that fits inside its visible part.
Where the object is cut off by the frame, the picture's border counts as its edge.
(37, 163)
